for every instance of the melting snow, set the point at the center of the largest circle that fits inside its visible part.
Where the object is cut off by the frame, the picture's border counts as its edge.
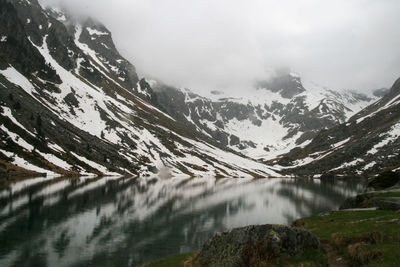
(7, 113)
(142, 91)
(85, 48)
(268, 133)
(369, 165)
(392, 102)
(341, 143)
(390, 136)
(88, 117)
(17, 78)
(55, 147)
(94, 165)
(349, 164)
(56, 161)
(27, 165)
(96, 32)
(17, 139)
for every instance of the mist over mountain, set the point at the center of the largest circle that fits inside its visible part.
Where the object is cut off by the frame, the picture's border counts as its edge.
(224, 45)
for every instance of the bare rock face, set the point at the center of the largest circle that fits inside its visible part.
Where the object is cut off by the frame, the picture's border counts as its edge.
(286, 84)
(248, 245)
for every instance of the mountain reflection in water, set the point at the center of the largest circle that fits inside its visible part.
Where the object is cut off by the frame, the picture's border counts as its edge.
(129, 221)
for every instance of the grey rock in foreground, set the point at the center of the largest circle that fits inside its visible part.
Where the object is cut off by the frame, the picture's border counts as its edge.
(251, 244)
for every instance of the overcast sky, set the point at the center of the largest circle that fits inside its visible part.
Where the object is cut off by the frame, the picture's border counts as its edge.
(226, 44)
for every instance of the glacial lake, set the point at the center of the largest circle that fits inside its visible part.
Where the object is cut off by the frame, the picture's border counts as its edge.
(130, 221)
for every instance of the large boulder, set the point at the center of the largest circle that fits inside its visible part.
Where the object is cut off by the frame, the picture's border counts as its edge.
(250, 245)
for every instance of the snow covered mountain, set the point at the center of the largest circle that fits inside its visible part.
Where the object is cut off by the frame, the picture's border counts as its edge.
(276, 116)
(368, 143)
(71, 104)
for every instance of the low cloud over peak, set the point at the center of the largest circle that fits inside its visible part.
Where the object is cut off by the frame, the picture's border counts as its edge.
(227, 45)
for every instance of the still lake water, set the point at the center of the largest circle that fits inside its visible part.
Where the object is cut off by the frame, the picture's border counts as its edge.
(129, 221)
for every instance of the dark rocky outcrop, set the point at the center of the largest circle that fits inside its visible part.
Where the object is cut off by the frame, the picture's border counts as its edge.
(284, 83)
(257, 243)
(384, 180)
(372, 200)
(386, 194)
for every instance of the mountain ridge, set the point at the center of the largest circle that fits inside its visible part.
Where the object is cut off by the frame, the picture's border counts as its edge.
(72, 105)
(265, 125)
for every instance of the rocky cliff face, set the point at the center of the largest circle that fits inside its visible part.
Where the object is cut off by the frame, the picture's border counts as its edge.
(71, 104)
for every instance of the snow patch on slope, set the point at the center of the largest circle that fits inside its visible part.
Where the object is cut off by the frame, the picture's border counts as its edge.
(17, 78)
(392, 135)
(85, 48)
(96, 32)
(20, 162)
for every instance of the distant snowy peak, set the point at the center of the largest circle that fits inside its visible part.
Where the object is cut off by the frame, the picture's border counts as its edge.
(262, 123)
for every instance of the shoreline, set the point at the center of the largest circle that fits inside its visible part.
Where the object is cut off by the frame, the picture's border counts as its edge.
(356, 234)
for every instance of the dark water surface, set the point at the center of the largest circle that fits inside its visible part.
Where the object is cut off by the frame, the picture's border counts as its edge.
(129, 221)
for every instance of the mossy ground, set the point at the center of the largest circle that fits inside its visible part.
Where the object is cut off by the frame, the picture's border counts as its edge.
(388, 194)
(310, 258)
(366, 238)
(173, 261)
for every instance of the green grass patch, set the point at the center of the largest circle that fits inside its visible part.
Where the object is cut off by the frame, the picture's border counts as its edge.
(310, 258)
(173, 261)
(388, 194)
(369, 238)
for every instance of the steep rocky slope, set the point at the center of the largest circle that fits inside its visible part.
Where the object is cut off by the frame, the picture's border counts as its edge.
(367, 144)
(71, 104)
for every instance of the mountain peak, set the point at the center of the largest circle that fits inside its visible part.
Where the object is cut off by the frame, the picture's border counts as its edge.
(287, 84)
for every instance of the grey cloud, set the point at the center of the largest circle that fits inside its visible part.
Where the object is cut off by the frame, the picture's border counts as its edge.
(225, 44)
